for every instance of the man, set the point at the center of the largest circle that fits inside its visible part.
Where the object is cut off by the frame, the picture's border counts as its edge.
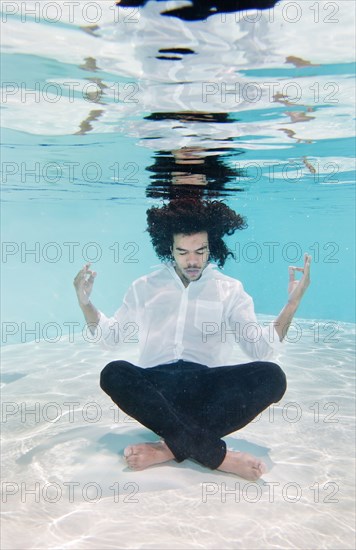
(186, 387)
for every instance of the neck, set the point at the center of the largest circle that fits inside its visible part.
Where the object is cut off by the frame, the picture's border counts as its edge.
(182, 278)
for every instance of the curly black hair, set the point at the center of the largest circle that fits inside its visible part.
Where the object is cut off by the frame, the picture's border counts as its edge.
(189, 216)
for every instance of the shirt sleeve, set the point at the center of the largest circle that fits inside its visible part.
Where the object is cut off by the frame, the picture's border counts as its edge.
(258, 341)
(120, 328)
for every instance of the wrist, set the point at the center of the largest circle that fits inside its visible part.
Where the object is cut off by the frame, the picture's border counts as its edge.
(292, 305)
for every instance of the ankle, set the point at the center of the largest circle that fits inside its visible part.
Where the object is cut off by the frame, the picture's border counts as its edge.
(166, 449)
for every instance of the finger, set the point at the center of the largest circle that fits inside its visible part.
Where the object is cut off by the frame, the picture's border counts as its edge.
(307, 260)
(85, 269)
(92, 274)
(81, 275)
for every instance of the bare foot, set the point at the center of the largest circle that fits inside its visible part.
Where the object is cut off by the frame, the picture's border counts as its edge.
(141, 456)
(243, 465)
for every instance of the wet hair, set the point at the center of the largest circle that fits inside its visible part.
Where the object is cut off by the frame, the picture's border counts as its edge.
(189, 216)
(202, 9)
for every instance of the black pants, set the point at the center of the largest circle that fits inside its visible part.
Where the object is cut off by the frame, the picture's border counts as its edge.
(192, 406)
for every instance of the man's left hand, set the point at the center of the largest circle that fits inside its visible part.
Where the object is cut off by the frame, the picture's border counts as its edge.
(296, 288)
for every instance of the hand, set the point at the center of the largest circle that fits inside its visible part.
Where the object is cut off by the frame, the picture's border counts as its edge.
(83, 284)
(296, 288)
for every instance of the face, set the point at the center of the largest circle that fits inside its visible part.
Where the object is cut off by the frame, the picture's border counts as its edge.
(191, 253)
(182, 178)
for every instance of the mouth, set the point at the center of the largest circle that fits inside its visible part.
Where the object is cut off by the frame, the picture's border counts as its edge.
(192, 272)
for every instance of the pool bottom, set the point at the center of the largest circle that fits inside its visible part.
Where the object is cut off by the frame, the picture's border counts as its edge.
(65, 484)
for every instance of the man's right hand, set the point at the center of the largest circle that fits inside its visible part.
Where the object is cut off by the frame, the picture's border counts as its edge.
(83, 284)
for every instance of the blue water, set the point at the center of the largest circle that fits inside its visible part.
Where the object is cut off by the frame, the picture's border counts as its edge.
(62, 190)
(91, 121)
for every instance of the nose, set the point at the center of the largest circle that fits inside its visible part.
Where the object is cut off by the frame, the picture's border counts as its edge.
(193, 260)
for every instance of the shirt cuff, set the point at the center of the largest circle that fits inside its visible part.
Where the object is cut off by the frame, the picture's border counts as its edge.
(100, 329)
(273, 338)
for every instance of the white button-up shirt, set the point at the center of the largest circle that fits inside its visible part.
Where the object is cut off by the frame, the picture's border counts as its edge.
(198, 323)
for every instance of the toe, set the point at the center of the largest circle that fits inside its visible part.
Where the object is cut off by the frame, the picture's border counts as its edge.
(134, 465)
(128, 452)
(263, 468)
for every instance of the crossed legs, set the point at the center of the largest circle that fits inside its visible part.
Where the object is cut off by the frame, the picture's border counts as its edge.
(191, 407)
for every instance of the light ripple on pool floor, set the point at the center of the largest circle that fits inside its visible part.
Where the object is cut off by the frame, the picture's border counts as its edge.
(62, 440)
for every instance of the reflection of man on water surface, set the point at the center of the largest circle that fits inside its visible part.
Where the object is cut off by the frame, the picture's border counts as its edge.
(202, 165)
(186, 387)
(202, 9)
(192, 171)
